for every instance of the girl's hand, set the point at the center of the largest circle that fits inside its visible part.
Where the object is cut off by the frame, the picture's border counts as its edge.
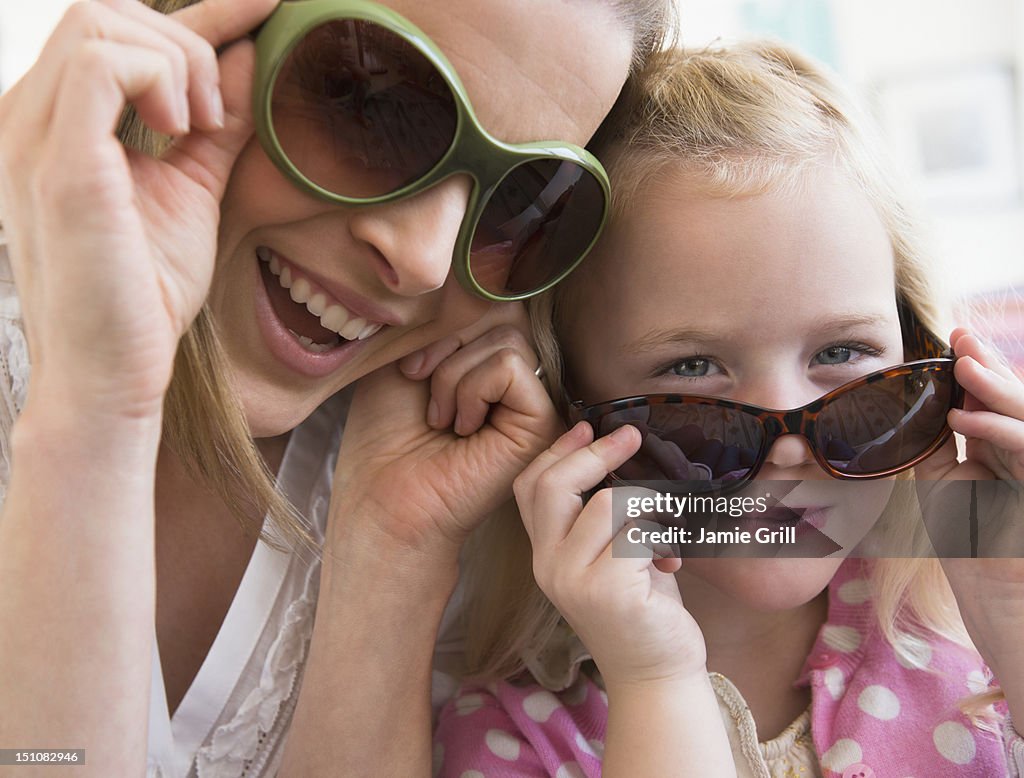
(989, 591)
(113, 250)
(422, 462)
(626, 610)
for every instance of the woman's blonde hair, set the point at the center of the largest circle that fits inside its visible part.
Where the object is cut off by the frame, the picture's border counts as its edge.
(204, 423)
(737, 120)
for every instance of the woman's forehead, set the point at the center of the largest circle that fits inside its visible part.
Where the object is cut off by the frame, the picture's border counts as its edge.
(533, 69)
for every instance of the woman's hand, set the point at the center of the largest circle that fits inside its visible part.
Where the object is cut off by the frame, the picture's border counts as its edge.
(625, 609)
(113, 250)
(423, 461)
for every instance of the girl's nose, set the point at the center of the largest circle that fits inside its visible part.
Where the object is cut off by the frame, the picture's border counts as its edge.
(414, 238)
(790, 451)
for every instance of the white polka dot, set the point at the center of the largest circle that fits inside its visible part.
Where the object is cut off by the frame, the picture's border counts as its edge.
(472, 774)
(438, 758)
(540, 705)
(880, 702)
(920, 656)
(955, 742)
(855, 592)
(502, 744)
(843, 753)
(845, 639)
(570, 770)
(604, 697)
(468, 703)
(835, 682)
(594, 748)
(977, 682)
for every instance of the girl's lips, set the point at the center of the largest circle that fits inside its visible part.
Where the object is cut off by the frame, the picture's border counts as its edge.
(284, 345)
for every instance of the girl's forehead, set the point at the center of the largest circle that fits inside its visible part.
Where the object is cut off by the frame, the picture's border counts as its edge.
(802, 251)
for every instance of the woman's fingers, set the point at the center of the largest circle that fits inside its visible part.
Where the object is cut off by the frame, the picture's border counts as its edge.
(222, 21)
(202, 76)
(993, 390)
(446, 378)
(502, 377)
(208, 157)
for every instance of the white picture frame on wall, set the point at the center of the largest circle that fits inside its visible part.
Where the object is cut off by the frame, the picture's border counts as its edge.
(956, 133)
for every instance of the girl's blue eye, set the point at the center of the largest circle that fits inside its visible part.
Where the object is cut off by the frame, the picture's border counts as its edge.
(833, 355)
(695, 367)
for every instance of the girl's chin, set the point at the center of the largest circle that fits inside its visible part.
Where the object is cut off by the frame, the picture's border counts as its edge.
(765, 584)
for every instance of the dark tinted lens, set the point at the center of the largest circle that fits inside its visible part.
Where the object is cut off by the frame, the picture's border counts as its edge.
(883, 425)
(537, 223)
(688, 442)
(360, 111)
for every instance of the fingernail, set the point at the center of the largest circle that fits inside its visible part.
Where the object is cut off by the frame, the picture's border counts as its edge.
(183, 115)
(216, 107)
(621, 434)
(433, 412)
(458, 424)
(413, 362)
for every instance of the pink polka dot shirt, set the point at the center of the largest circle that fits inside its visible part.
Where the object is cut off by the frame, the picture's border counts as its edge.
(872, 714)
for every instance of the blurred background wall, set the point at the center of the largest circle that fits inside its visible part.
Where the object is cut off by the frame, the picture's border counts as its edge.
(944, 79)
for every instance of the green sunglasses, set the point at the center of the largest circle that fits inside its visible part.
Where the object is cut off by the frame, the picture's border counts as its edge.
(357, 106)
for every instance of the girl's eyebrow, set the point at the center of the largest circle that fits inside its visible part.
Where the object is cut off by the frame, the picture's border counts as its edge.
(658, 338)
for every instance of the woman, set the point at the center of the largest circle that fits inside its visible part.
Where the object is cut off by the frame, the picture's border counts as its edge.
(113, 256)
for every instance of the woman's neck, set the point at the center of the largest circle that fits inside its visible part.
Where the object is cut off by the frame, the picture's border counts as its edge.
(761, 652)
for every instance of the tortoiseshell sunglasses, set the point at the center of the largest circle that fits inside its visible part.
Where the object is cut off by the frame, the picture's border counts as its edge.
(875, 426)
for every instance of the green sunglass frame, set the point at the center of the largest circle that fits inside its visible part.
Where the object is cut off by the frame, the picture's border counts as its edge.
(473, 150)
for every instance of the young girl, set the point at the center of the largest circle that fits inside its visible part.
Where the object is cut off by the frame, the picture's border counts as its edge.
(756, 254)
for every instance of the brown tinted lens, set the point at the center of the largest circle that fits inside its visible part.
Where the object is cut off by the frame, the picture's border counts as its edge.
(881, 426)
(536, 224)
(688, 442)
(360, 111)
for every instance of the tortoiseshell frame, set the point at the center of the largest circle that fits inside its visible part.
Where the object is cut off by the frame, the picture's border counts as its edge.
(917, 340)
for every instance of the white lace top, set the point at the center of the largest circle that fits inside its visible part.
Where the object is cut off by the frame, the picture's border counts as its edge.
(233, 718)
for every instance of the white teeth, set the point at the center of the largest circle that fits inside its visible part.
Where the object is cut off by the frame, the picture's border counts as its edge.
(317, 303)
(309, 345)
(334, 318)
(351, 330)
(368, 330)
(301, 290)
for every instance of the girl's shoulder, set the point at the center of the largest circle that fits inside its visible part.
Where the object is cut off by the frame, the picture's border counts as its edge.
(524, 727)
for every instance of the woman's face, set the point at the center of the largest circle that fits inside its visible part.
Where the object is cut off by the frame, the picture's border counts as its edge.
(533, 70)
(771, 299)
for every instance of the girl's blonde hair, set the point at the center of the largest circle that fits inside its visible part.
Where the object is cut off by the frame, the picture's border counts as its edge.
(738, 120)
(204, 423)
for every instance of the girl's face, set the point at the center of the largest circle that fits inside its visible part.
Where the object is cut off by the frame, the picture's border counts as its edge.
(772, 299)
(533, 71)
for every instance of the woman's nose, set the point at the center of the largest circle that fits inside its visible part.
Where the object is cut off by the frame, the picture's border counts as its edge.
(413, 239)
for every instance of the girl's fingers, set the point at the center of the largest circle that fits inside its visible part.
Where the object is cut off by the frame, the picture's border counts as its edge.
(557, 490)
(1001, 431)
(202, 71)
(604, 517)
(448, 375)
(994, 391)
(966, 344)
